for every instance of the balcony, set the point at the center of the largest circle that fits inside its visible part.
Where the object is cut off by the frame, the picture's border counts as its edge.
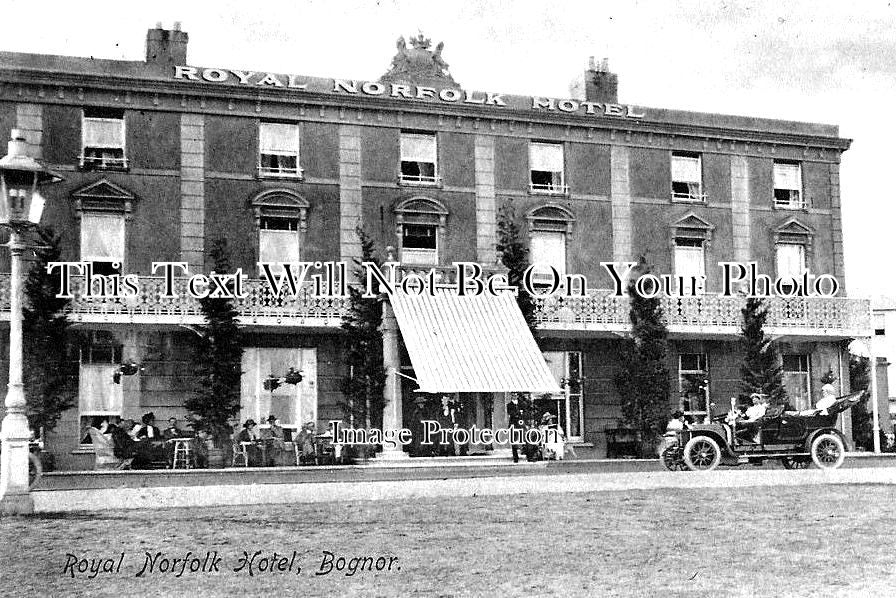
(602, 313)
(258, 308)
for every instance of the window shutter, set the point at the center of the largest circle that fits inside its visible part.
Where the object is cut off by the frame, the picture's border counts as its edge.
(278, 138)
(689, 261)
(548, 249)
(418, 148)
(97, 393)
(791, 260)
(107, 133)
(787, 176)
(102, 237)
(686, 169)
(546, 157)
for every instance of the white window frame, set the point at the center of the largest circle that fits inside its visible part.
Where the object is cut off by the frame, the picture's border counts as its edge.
(689, 248)
(802, 253)
(256, 399)
(418, 179)
(540, 273)
(795, 199)
(120, 218)
(415, 256)
(554, 187)
(704, 373)
(103, 162)
(292, 234)
(804, 374)
(279, 172)
(693, 194)
(567, 397)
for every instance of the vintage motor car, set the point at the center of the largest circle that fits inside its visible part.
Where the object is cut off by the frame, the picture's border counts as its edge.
(796, 438)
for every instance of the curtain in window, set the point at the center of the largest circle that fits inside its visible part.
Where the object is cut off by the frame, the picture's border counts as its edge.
(292, 404)
(686, 169)
(103, 133)
(791, 260)
(546, 157)
(278, 138)
(102, 237)
(689, 261)
(418, 148)
(787, 176)
(548, 249)
(97, 394)
(278, 246)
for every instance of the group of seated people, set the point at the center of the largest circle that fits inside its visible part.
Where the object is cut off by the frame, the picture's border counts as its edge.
(265, 447)
(144, 446)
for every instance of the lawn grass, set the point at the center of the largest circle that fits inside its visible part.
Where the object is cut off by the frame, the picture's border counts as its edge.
(793, 541)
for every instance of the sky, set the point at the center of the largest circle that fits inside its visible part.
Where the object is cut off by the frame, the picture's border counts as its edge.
(818, 61)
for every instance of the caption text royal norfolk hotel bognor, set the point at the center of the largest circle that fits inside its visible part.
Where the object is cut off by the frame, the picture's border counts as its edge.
(160, 158)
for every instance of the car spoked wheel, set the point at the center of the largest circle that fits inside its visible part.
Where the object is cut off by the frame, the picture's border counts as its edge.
(702, 453)
(828, 451)
(795, 462)
(672, 458)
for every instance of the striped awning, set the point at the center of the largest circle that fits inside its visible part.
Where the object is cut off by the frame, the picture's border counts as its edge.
(470, 344)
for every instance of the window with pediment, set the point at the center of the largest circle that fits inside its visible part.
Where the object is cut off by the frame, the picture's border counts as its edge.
(420, 224)
(104, 210)
(281, 220)
(793, 249)
(690, 237)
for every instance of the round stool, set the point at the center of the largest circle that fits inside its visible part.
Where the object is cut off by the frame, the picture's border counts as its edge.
(183, 453)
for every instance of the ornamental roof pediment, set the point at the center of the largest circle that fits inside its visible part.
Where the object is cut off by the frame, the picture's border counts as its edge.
(692, 220)
(103, 189)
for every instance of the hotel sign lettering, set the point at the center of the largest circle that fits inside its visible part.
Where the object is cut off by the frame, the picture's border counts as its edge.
(401, 91)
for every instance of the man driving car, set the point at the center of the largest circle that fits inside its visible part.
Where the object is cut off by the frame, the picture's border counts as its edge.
(748, 428)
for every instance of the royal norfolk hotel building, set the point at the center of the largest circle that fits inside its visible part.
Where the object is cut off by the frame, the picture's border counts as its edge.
(160, 158)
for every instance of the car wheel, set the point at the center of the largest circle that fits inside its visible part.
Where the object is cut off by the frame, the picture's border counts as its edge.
(794, 463)
(828, 451)
(671, 458)
(702, 453)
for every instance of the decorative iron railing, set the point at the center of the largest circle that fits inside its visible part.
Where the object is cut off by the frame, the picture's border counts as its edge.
(710, 314)
(259, 306)
(599, 311)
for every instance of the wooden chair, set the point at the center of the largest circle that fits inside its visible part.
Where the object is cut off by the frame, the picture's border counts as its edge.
(103, 450)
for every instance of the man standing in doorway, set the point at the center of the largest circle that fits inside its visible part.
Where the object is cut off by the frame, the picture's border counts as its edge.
(515, 419)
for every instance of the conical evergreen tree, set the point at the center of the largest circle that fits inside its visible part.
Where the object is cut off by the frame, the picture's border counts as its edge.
(48, 373)
(363, 386)
(218, 358)
(761, 369)
(514, 255)
(643, 379)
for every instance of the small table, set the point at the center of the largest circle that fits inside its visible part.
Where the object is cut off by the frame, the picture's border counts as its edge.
(183, 453)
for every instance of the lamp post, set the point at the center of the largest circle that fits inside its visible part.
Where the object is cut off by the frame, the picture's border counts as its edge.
(20, 208)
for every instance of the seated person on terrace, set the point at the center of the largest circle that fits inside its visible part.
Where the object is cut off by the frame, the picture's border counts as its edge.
(249, 434)
(273, 440)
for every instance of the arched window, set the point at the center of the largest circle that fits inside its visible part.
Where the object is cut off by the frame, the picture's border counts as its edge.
(420, 227)
(281, 221)
(550, 230)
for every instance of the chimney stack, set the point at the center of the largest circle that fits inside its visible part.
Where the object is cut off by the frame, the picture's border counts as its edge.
(166, 47)
(598, 84)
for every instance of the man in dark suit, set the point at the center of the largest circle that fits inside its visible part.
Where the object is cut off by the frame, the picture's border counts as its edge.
(515, 419)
